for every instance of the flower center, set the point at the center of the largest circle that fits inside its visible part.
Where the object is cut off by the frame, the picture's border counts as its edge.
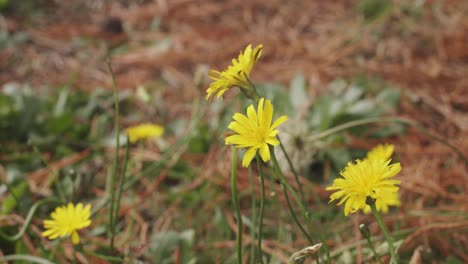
(260, 135)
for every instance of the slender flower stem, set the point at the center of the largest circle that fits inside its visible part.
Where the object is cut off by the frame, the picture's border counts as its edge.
(121, 182)
(366, 234)
(371, 246)
(406, 121)
(250, 91)
(28, 219)
(293, 170)
(115, 165)
(262, 203)
(388, 237)
(284, 181)
(253, 248)
(235, 201)
(291, 210)
(294, 216)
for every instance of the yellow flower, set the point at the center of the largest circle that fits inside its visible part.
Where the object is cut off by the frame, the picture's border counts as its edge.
(255, 131)
(144, 131)
(235, 75)
(384, 152)
(66, 220)
(366, 178)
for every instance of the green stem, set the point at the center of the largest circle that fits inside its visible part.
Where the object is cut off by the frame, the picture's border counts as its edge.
(115, 165)
(253, 248)
(235, 201)
(388, 237)
(28, 219)
(366, 234)
(371, 246)
(249, 90)
(361, 122)
(26, 258)
(284, 181)
(296, 220)
(121, 183)
(293, 170)
(262, 203)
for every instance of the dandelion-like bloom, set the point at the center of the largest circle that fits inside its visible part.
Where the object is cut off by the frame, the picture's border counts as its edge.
(366, 178)
(255, 131)
(144, 131)
(66, 220)
(236, 74)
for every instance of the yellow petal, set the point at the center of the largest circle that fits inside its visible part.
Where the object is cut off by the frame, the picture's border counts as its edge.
(248, 156)
(265, 152)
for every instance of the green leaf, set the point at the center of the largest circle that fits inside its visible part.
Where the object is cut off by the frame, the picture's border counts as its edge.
(389, 98)
(16, 192)
(279, 98)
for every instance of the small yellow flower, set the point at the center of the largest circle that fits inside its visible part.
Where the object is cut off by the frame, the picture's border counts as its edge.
(255, 131)
(66, 220)
(366, 178)
(144, 131)
(384, 152)
(236, 74)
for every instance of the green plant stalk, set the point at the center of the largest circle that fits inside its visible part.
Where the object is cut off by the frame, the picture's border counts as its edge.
(262, 208)
(296, 220)
(293, 170)
(235, 201)
(366, 121)
(121, 182)
(115, 165)
(253, 249)
(288, 202)
(249, 90)
(26, 258)
(284, 182)
(28, 219)
(371, 246)
(388, 237)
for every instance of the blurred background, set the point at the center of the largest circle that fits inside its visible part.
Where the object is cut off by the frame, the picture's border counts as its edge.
(324, 63)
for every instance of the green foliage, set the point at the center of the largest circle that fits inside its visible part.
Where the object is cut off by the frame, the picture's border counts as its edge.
(163, 244)
(343, 102)
(374, 9)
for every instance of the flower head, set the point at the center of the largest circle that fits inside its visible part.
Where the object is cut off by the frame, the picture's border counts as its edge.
(255, 131)
(236, 74)
(144, 131)
(366, 178)
(66, 220)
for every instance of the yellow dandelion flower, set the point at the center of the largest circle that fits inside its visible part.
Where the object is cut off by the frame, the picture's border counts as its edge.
(66, 220)
(255, 131)
(383, 152)
(366, 178)
(144, 131)
(236, 74)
